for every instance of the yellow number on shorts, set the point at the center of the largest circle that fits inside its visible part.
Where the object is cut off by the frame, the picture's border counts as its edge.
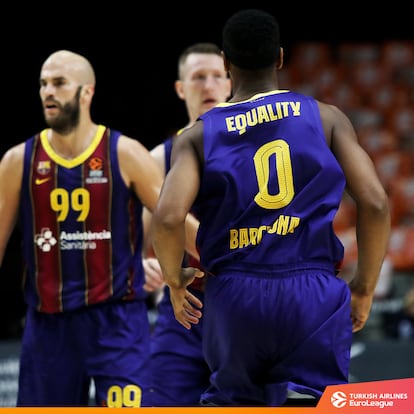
(128, 396)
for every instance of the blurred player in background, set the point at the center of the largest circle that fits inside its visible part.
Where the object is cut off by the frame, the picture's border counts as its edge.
(180, 373)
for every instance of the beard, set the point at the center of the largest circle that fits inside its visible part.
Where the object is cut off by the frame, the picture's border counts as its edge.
(68, 118)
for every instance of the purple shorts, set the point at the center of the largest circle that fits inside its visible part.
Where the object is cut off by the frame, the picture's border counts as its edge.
(62, 352)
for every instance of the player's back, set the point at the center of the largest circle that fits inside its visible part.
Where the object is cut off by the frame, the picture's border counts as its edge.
(270, 186)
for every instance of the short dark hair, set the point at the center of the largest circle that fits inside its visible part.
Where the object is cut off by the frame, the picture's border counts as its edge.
(202, 47)
(251, 39)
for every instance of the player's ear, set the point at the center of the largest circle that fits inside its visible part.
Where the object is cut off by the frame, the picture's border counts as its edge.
(226, 62)
(280, 63)
(87, 91)
(179, 89)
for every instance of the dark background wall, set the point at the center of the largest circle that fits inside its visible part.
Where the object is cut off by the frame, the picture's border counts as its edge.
(134, 48)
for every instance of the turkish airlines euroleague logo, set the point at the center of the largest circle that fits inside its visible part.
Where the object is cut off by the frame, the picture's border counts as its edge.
(338, 399)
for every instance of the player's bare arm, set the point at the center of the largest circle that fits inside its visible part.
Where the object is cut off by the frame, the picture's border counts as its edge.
(11, 171)
(373, 214)
(168, 225)
(139, 170)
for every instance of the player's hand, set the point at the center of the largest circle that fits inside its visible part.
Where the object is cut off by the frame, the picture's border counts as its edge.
(154, 280)
(188, 274)
(361, 303)
(186, 305)
(360, 310)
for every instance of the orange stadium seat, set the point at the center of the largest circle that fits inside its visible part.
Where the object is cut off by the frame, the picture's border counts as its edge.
(364, 116)
(401, 119)
(308, 58)
(388, 96)
(378, 140)
(367, 76)
(397, 53)
(401, 248)
(394, 165)
(311, 54)
(352, 53)
(329, 77)
(402, 201)
(344, 96)
(346, 214)
(348, 239)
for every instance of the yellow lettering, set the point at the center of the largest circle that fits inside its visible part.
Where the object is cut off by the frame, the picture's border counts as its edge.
(295, 108)
(253, 236)
(283, 223)
(241, 123)
(260, 234)
(272, 115)
(279, 110)
(262, 114)
(251, 117)
(272, 229)
(294, 222)
(243, 237)
(285, 108)
(234, 240)
(230, 124)
(253, 231)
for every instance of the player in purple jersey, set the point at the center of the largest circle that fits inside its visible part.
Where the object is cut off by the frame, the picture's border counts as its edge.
(264, 174)
(180, 373)
(78, 189)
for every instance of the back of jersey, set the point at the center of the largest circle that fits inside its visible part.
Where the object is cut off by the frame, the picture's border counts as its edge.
(270, 186)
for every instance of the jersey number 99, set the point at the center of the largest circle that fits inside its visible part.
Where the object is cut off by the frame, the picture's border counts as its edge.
(61, 201)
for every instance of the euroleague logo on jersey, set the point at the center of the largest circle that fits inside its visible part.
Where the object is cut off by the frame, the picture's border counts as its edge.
(96, 171)
(95, 163)
(338, 399)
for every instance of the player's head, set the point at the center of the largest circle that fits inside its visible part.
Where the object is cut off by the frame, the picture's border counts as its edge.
(202, 80)
(67, 84)
(206, 48)
(251, 40)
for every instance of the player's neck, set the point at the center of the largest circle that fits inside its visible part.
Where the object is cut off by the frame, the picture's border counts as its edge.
(71, 145)
(245, 88)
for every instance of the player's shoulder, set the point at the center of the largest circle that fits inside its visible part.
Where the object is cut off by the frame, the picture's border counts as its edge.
(11, 163)
(192, 138)
(129, 142)
(14, 153)
(194, 132)
(132, 151)
(158, 152)
(330, 113)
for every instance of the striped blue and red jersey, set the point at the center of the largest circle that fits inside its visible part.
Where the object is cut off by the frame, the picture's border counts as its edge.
(81, 227)
(270, 186)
